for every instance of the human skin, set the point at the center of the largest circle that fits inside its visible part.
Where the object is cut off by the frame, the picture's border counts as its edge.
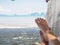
(46, 33)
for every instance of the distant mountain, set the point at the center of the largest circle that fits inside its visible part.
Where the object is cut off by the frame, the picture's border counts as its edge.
(35, 14)
(25, 15)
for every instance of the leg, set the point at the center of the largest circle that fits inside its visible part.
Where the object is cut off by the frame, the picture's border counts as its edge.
(46, 31)
(44, 41)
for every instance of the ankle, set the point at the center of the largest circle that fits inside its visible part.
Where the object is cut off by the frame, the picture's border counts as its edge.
(48, 31)
(51, 36)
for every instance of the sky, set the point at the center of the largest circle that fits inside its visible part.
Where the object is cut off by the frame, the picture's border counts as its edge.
(21, 13)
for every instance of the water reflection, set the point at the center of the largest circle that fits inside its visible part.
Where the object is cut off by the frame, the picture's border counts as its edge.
(19, 36)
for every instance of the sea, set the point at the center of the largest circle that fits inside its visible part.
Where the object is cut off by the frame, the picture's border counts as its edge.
(19, 36)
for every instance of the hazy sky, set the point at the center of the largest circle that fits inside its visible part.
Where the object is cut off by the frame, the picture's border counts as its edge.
(20, 7)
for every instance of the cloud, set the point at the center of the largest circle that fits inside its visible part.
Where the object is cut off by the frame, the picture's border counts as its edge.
(17, 22)
(5, 11)
(22, 10)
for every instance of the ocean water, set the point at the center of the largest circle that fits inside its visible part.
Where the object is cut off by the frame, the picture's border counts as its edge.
(22, 36)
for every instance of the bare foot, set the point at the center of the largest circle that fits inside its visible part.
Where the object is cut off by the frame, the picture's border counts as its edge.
(42, 24)
(44, 39)
(47, 34)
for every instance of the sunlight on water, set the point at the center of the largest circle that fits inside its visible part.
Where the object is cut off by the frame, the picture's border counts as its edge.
(19, 36)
